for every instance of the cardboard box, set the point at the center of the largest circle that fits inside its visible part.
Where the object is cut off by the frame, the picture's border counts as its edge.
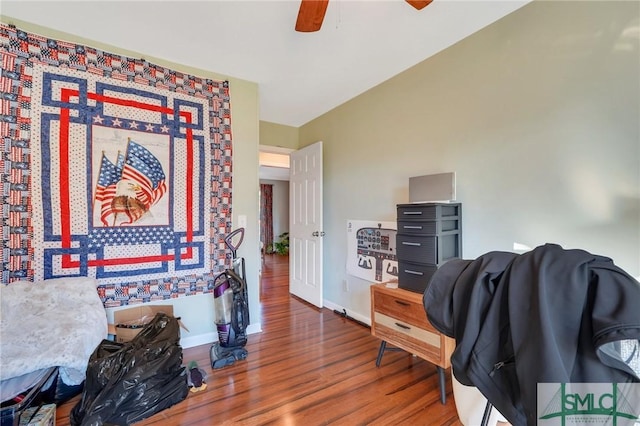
(45, 416)
(129, 322)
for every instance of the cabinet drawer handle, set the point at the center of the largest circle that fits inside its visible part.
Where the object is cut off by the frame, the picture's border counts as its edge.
(404, 243)
(412, 227)
(403, 326)
(413, 272)
(403, 303)
(412, 213)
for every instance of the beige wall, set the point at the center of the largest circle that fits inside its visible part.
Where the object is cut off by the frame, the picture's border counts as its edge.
(538, 114)
(279, 135)
(197, 311)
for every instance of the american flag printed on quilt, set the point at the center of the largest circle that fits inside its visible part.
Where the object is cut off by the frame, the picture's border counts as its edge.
(131, 186)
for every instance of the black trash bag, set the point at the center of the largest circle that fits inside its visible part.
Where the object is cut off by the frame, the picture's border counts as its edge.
(128, 382)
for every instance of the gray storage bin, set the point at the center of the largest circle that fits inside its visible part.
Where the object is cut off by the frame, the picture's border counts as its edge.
(427, 227)
(428, 235)
(428, 211)
(414, 276)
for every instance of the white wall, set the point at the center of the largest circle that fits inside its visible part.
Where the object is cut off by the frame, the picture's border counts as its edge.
(539, 116)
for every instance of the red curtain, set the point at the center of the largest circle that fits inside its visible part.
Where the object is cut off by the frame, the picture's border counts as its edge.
(266, 215)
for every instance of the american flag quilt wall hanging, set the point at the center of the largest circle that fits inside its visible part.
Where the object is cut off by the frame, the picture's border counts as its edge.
(112, 168)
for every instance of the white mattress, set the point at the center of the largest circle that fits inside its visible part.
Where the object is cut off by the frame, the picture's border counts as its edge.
(51, 323)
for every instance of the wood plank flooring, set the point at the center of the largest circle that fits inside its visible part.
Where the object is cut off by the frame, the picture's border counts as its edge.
(308, 367)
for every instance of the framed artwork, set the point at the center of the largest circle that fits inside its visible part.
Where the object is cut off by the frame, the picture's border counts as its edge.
(371, 250)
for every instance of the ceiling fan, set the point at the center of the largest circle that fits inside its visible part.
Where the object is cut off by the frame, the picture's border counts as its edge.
(311, 13)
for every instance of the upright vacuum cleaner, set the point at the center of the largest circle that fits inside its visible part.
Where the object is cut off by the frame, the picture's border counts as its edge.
(231, 309)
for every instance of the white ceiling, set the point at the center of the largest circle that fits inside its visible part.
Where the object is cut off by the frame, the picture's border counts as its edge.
(300, 75)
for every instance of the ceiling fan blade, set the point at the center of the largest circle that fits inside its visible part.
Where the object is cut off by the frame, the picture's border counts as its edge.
(419, 4)
(311, 15)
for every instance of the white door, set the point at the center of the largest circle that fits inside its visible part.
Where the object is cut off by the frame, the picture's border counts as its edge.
(305, 224)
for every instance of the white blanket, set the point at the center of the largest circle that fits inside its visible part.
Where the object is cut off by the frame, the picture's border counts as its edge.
(56, 322)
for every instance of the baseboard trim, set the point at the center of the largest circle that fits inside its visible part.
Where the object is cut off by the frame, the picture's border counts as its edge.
(335, 307)
(208, 338)
(254, 328)
(197, 340)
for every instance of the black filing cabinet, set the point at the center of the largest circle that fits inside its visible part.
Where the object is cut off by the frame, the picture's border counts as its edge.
(429, 234)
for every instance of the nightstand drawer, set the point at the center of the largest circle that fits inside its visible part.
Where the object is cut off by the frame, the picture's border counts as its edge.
(430, 337)
(398, 317)
(423, 343)
(402, 310)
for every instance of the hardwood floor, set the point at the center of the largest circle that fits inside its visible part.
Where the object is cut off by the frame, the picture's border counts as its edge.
(308, 367)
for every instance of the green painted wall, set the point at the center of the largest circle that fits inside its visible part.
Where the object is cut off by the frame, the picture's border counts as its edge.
(538, 115)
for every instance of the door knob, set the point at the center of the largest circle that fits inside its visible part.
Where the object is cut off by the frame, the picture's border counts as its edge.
(318, 234)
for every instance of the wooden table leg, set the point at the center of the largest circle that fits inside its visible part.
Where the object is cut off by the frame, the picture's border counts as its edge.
(487, 414)
(441, 380)
(383, 345)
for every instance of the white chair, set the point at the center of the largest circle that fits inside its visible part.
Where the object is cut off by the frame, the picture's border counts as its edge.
(470, 405)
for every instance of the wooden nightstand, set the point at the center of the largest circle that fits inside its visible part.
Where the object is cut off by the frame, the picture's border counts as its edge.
(398, 317)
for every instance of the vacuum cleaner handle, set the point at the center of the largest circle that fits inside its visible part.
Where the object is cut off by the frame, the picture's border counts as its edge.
(229, 238)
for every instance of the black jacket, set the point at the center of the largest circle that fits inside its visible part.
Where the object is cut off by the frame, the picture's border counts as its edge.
(547, 316)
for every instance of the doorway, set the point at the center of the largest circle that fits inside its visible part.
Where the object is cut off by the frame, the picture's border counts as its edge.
(274, 202)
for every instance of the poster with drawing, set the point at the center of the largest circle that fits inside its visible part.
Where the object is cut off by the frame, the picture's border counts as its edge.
(371, 250)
